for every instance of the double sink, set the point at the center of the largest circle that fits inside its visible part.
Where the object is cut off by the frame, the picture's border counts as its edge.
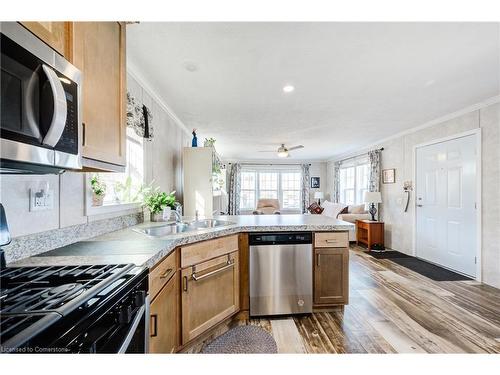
(182, 227)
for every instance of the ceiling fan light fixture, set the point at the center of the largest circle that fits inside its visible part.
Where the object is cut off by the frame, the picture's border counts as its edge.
(283, 154)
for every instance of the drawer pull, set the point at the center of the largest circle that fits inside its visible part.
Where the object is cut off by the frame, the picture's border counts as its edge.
(225, 266)
(154, 325)
(331, 241)
(167, 273)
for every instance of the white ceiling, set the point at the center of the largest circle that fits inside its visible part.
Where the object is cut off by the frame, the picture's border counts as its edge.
(355, 83)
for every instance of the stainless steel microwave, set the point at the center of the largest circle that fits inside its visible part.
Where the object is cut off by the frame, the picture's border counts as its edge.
(40, 127)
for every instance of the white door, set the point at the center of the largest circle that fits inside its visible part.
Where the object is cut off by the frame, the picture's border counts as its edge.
(446, 204)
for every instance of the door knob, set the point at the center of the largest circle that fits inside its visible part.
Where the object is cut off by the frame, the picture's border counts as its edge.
(419, 205)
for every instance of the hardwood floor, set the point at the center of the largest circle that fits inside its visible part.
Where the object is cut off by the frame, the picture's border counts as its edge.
(394, 310)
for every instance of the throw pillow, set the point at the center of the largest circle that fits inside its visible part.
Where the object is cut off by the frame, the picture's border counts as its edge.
(345, 210)
(358, 209)
(332, 209)
(315, 209)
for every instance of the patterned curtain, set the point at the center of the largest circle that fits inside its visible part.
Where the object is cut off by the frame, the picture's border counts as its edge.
(374, 181)
(306, 187)
(336, 183)
(234, 188)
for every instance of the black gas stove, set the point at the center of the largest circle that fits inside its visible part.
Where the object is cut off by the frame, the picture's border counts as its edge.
(74, 309)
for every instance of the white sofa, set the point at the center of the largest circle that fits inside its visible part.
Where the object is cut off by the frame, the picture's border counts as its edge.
(354, 212)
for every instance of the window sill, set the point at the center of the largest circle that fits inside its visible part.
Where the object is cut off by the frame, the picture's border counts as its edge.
(111, 208)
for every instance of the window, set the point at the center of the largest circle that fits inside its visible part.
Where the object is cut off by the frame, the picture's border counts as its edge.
(354, 178)
(290, 189)
(284, 185)
(122, 188)
(248, 190)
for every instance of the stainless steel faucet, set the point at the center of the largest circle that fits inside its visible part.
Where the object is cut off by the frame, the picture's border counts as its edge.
(178, 216)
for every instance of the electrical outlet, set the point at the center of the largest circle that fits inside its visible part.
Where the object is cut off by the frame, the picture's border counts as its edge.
(41, 200)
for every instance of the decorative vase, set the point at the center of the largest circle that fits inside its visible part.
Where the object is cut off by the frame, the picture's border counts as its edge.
(97, 200)
(167, 211)
(156, 216)
(194, 142)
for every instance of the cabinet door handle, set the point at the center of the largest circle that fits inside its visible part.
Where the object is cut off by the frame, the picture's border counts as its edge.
(318, 260)
(154, 325)
(185, 283)
(83, 134)
(166, 274)
(228, 264)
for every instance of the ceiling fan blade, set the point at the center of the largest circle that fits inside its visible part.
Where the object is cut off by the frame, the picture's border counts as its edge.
(295, 147)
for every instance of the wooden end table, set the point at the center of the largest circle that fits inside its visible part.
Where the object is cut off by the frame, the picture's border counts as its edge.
(370, 233)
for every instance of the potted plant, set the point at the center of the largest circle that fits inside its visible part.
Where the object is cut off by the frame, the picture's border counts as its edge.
(159, 203)
(98, 190)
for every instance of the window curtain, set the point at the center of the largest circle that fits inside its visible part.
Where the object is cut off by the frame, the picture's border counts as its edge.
(374, 181)
(306, 187)
(234, 188)
(336, 183)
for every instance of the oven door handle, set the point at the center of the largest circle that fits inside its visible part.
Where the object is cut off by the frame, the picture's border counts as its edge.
(58, 122)
(130, 334)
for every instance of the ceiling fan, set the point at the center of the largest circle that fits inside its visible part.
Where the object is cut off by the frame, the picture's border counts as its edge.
(283, 151)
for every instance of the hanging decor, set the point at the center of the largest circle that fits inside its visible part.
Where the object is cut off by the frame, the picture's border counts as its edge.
(139, 118)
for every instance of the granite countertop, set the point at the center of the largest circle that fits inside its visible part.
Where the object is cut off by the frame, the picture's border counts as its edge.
(129, 246)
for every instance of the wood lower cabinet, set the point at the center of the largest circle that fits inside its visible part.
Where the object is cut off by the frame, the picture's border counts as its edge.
(331, 276)
(99, 52)
(209, 294)
(164, 317)
(56, 34)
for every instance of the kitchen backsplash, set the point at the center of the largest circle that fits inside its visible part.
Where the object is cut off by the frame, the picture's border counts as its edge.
(33, 244)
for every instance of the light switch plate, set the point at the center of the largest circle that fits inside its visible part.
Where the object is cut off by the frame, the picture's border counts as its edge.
(41, 202)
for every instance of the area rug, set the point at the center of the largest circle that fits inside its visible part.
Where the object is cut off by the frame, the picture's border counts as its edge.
(243, 340)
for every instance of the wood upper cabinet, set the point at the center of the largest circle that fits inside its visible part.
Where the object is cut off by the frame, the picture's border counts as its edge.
(56, 34)
(99, 52)
(331, 276)
(209, 294)
(164, 318)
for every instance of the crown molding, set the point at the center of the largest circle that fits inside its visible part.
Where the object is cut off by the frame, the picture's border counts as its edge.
(436, 121)
(134, 73)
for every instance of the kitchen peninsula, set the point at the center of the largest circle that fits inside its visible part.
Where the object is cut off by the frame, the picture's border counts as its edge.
(201, 278)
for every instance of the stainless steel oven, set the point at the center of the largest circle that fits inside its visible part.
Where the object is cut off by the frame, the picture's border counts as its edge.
(40, 127)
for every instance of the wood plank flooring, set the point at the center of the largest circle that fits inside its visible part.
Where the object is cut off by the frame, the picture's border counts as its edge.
(394, 310)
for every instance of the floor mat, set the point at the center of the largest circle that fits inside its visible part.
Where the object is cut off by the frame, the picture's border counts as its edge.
(388, 254)
(429, 270)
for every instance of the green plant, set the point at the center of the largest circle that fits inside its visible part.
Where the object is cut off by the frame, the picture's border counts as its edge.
(209, 142)
(98, 186)
(156, 200)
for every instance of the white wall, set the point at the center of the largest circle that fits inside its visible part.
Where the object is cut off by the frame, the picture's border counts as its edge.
(398, 153)
(162, 162)
(163, 155)
(318, 169)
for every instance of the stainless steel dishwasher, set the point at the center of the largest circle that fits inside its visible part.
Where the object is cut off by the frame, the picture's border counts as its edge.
(280, 273)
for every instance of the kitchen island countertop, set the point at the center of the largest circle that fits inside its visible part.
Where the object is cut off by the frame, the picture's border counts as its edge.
(129, 246)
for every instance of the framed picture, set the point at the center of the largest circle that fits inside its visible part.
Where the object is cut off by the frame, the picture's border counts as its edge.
(315, 182)
(389, 176)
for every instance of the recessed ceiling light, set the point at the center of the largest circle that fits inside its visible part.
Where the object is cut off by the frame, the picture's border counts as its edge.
(190, 66)
(288, 88)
